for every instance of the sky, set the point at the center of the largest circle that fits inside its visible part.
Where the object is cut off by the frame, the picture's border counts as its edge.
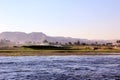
(89, 19)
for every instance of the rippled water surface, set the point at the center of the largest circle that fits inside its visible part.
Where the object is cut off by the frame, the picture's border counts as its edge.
(60, 68)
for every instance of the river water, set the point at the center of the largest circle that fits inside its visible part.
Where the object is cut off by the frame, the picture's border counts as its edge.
(60, 68)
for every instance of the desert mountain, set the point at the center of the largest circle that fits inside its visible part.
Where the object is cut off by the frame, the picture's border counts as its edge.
(39, 37)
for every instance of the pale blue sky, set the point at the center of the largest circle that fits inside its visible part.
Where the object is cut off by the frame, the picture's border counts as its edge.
(91, 19)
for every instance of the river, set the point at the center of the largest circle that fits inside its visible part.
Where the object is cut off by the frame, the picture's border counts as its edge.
(60, 68)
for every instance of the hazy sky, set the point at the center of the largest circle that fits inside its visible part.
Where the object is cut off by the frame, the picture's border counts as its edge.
(91, 19)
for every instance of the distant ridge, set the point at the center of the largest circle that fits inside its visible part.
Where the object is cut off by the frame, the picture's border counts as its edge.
(40, 37)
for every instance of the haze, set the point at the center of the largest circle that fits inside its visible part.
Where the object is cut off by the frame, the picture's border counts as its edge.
(91, 19)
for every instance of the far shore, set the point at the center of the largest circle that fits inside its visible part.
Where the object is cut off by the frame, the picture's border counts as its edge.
(59, 51)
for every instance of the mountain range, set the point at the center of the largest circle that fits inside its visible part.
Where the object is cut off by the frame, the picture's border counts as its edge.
(40, 37)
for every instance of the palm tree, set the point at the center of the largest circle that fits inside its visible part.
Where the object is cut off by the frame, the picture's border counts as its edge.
(118, 41)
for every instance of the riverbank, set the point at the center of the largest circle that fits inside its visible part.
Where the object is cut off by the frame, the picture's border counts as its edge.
(57, 52)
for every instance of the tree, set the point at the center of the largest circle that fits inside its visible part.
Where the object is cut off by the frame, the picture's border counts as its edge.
(77, 43)
(56, 43)
(83, 44)
(45, 41)
(70, 43)
(118, 41)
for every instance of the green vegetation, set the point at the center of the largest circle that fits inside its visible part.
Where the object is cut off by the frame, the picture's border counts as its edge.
(37, 47)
